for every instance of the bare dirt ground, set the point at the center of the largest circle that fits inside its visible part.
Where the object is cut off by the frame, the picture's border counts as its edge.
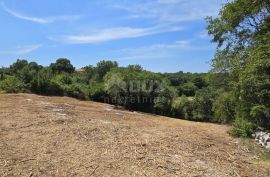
(59, 136)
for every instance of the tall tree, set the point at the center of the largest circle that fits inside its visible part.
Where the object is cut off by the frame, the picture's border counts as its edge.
(105, 66)
(62, 65)
(242, 32)
(18, 65)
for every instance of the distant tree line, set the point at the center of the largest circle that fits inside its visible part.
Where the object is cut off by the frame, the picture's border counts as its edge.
(170, 94)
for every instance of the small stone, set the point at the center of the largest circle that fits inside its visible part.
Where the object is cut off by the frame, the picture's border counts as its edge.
(268, 145)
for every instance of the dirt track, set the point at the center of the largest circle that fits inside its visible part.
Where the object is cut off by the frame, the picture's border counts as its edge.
(58, 136)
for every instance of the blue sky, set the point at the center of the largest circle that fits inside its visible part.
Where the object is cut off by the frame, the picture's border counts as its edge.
(160, 35)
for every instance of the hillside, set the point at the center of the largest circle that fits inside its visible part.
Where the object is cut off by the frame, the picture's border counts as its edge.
(60, 136)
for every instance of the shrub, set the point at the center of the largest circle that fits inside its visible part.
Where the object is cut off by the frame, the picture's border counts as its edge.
(41, 81)
(97, 92)
(76, 91)
(11, 85)
(182, 108)
(223, 108)
(163, 102)
(202, 105)
(55, 88)
(189, 89)
(242, 128)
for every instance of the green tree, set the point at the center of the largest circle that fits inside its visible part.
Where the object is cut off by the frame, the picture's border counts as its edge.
(254, 86)
(224, 107)
(62, 65)
(44, 82)
(103, 67)
(89, 72)
(235, 29)
(164, 100)
(182, 107)
(3, 72)
(199, 82)
(18, 65)
(135, 67)
(116, 88)
(189, 89)
(242, 34)
(202, 105)
(11, 85)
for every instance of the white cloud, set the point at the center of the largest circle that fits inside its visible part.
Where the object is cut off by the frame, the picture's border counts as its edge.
(203, 35)
(170, 10)
(21, 50)
(160, 51)
(115, 34)
(42, 20)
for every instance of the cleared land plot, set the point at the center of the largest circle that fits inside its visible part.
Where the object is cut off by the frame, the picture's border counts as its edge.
(59, 136)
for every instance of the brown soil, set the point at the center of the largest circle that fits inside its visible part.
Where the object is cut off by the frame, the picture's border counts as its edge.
(59, 136)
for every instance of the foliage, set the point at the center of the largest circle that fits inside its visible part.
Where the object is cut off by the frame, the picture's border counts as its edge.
(242, 32)
(199, 82)
(254, 87)
(62, 65)
(105, 66)
(76, 91)
(224, 107)
(43, 83)
(242, 128)
(97, 92)
(189, 89)
(163, 102)
(116, 87)
(202, 105)
(11, 85)
(182, 108)
(18, 65)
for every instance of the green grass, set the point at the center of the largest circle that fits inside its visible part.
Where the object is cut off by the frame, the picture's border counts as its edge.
(265, 156)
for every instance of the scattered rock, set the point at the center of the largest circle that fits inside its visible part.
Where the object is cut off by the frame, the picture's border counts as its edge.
(263, 138)
(268, 145)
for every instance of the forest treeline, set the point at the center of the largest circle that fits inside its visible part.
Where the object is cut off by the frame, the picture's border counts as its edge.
(236, 90)
(183, 95)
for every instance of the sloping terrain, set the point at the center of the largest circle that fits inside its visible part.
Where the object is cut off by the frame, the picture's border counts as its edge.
(59, 136)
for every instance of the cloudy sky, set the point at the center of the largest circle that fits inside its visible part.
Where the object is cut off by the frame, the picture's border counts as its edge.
(160, 35)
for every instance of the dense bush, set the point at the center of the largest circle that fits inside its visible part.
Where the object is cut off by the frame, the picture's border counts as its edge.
(163, 102)
(224, 107)
(202, 105)
(182, 107)
(97, 92)
(242, 128)
(103, 67)
(76, 91)
(189, 89)
(11, 85)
